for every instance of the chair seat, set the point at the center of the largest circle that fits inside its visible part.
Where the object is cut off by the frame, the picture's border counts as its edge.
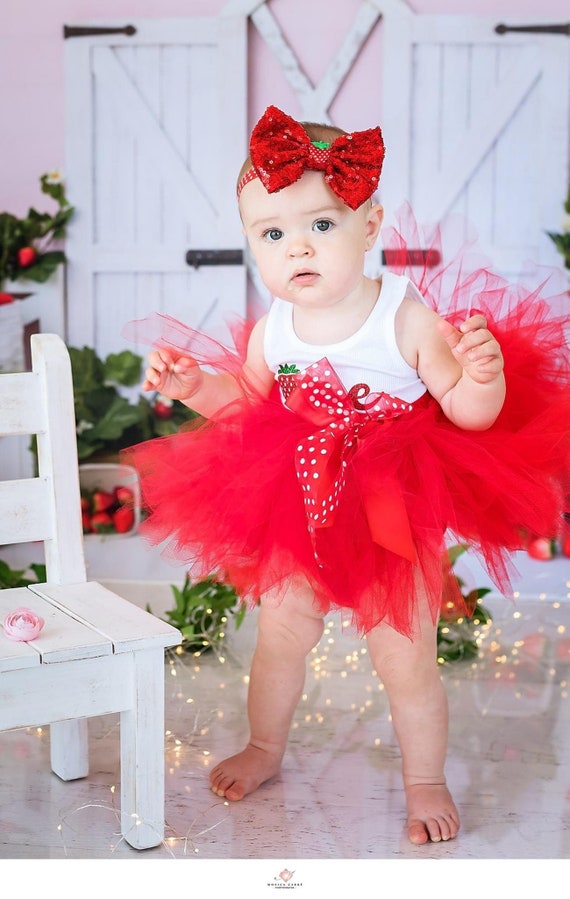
(82, 621)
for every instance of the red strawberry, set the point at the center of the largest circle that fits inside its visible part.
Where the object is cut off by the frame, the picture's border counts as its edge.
(6, 298)
(86, 522)
(163, 406)
(26, 257)
(287, 379)
(85, 504)
(566, 547)
(542, 548)
(123, 520)
(102, 523)
(124, 495)
(102, 500)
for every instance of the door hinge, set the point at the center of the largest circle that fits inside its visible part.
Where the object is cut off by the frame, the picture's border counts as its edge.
(87, 31)
(535, 29)
(196, 258)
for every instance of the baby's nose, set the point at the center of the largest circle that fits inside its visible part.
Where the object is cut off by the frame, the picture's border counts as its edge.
(300, 247)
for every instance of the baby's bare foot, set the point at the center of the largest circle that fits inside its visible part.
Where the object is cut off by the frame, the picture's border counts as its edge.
(432, 814)
(243, 773)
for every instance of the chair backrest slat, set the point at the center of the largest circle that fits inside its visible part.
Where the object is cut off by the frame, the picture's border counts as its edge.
(25, 511)
(46, 508)
(21, 408)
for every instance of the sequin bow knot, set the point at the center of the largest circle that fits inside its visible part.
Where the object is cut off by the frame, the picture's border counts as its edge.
(281, 151)
(321, 459)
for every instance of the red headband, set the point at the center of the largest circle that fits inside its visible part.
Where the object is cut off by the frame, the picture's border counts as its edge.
(281, 151)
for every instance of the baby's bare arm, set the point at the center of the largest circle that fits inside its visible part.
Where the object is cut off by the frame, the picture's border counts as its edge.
(181, 378)
(476, 398)
(461, 367)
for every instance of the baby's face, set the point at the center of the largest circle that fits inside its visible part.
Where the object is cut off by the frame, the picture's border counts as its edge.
(308, 245)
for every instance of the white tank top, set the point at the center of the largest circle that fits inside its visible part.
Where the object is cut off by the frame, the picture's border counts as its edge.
(369, 357)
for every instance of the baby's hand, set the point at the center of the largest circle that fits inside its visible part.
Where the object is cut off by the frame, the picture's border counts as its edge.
(177, 377)
(474, 347)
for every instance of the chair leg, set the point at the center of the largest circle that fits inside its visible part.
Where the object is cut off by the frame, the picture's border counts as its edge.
(69, 748)
(142, 753)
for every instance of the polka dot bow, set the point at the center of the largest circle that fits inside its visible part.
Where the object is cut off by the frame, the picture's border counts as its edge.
(321, 459)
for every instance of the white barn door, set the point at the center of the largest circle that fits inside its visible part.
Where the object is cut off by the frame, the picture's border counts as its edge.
(156, 133)
(476, 122)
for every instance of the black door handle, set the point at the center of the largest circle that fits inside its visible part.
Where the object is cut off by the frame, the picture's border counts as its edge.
(196, 258)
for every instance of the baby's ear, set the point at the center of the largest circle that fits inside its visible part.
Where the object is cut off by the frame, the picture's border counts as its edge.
(374, 221)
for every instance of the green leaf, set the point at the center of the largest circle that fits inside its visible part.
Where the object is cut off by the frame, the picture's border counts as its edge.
(201, 611)
(123, 368)
(85, 449)
(39, 571)
(454, 552)
(54, 189)
(10, 578)
(240, 615)
(44, 267)
(119, 415)
(165, 427)
(188, 631)
(87, 369)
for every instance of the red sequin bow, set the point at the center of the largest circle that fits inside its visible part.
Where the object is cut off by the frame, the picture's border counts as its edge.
(281, 151)
(321, 458)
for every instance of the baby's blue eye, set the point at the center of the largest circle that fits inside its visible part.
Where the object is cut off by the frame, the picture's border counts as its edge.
(273, 234)
(322, 225)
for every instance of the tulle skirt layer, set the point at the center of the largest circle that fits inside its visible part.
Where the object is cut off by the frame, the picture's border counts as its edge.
(224, 496)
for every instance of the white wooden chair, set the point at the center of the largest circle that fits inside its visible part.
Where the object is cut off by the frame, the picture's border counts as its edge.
(97, 653)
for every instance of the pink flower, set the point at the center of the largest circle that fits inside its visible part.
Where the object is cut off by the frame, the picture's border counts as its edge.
(22, 624)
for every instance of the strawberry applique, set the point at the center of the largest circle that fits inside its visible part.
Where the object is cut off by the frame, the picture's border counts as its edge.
(287, 379)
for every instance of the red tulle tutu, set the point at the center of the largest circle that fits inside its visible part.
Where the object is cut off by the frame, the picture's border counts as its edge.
(226, 495)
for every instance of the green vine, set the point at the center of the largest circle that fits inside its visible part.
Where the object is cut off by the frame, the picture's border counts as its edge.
(202, 611)
(458, 635)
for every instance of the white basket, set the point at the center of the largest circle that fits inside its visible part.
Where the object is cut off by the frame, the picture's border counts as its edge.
(106, 476)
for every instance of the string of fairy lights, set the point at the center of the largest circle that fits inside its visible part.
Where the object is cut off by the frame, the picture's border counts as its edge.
(522, 666)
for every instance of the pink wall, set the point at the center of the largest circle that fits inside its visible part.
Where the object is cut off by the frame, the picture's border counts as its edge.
(32, 67)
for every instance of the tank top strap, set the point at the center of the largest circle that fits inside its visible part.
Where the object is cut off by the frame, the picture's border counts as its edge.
(279, 321)
(380, 324)
(394, 289)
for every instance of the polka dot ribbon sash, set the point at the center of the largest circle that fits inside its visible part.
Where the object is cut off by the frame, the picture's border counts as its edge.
(321, 459)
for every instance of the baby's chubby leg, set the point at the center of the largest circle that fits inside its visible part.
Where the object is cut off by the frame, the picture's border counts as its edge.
(286, 634)
(418, 704)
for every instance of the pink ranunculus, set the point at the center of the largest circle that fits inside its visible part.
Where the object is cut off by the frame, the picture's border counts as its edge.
(22, 624)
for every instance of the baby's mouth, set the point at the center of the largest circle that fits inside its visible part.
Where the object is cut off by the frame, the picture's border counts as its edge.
(304, 277)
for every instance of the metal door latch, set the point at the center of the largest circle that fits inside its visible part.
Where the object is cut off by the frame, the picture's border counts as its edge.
(535, 29)
(90, 31)
(196, 258)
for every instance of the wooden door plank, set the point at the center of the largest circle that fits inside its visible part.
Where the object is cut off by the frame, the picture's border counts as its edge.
(112, 77)
(435, 197)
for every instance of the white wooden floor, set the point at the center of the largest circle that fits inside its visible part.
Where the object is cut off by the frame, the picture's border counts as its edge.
(338, 796)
